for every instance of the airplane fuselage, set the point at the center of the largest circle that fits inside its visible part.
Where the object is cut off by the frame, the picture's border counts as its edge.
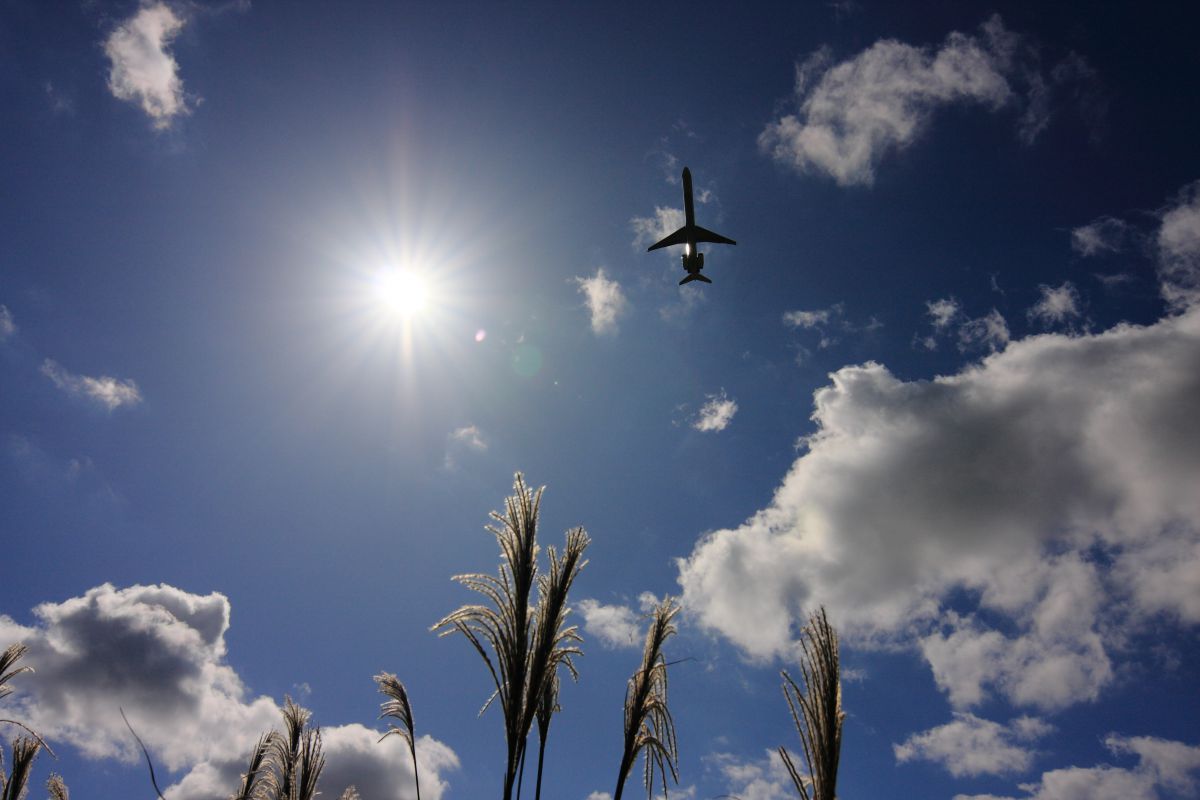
(691, 233)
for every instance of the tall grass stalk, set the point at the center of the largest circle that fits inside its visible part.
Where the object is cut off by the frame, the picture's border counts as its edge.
(398, 707)
(24, 751)
(526, 638)
(259, 781)
(816, 710)
(648, 722)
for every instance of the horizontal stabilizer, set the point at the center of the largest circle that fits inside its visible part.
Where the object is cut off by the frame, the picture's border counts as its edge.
(694, 276)
(678, 237)
(705, 235)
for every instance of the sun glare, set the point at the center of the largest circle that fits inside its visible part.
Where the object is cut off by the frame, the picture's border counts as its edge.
(404, 294)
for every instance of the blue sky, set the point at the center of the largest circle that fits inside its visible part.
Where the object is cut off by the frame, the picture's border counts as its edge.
(946, 384)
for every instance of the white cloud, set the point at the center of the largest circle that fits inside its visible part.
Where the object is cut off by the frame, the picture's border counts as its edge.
(970, 746)
(158, 652)
(599, 796)
(1162, 764)
(1103, 235)
(850, 115)
(807, 319)
(1179, 250)
(764, 779)
(716, 413)
(998, 484)
(615, 626)
(648, 230)
(942, 312)
(605, 301)
(112, 393)
(989, 331)
(8, 326)
(143, 69)
(1056, 306)
(463, 441)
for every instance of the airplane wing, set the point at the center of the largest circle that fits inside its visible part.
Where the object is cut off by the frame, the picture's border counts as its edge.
(704, 235)
(678, 237)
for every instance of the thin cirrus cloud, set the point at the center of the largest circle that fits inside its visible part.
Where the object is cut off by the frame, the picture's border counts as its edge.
(462, 442)
(8, 326)
(106, 391)
(605, 302)
(143, 70)
(158, 653)
(1103, 235)
(1001, 480)
(849, 116)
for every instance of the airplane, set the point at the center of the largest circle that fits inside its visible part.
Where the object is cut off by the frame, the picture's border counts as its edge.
(689, 235)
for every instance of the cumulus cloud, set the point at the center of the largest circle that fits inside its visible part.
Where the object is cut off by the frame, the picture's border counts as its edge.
(970, 746)
(1056, 305)
(1103, 235)
(1178, 243)
(1050, 489)
(850, 115)
(159, 652)
(762, 779)
(716, 413)
(143, 70)
(8, 326)
(1161, 764)
(987, 332)
(605, 301)
(112, 393)
(463, 441)
(615, 626)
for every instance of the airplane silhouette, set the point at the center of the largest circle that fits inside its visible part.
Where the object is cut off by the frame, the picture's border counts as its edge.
(688, 235)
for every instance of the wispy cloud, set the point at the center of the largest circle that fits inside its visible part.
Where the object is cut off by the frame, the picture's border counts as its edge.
(987, 332)
(143, 69)
(8, 326)
(807, 319)
(605, 301)
(1178, 243)
(1000, 480)
(463, 441)
(829, 323)
(1103, 235)
(970, 746)
(716, 413)
(112, 393)
(170, 665)
(1056, 305)
(942, 312)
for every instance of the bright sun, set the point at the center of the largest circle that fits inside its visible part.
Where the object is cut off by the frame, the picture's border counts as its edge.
(404, 294)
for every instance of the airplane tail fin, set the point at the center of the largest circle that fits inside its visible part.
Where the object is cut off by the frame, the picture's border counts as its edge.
(694, 276)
